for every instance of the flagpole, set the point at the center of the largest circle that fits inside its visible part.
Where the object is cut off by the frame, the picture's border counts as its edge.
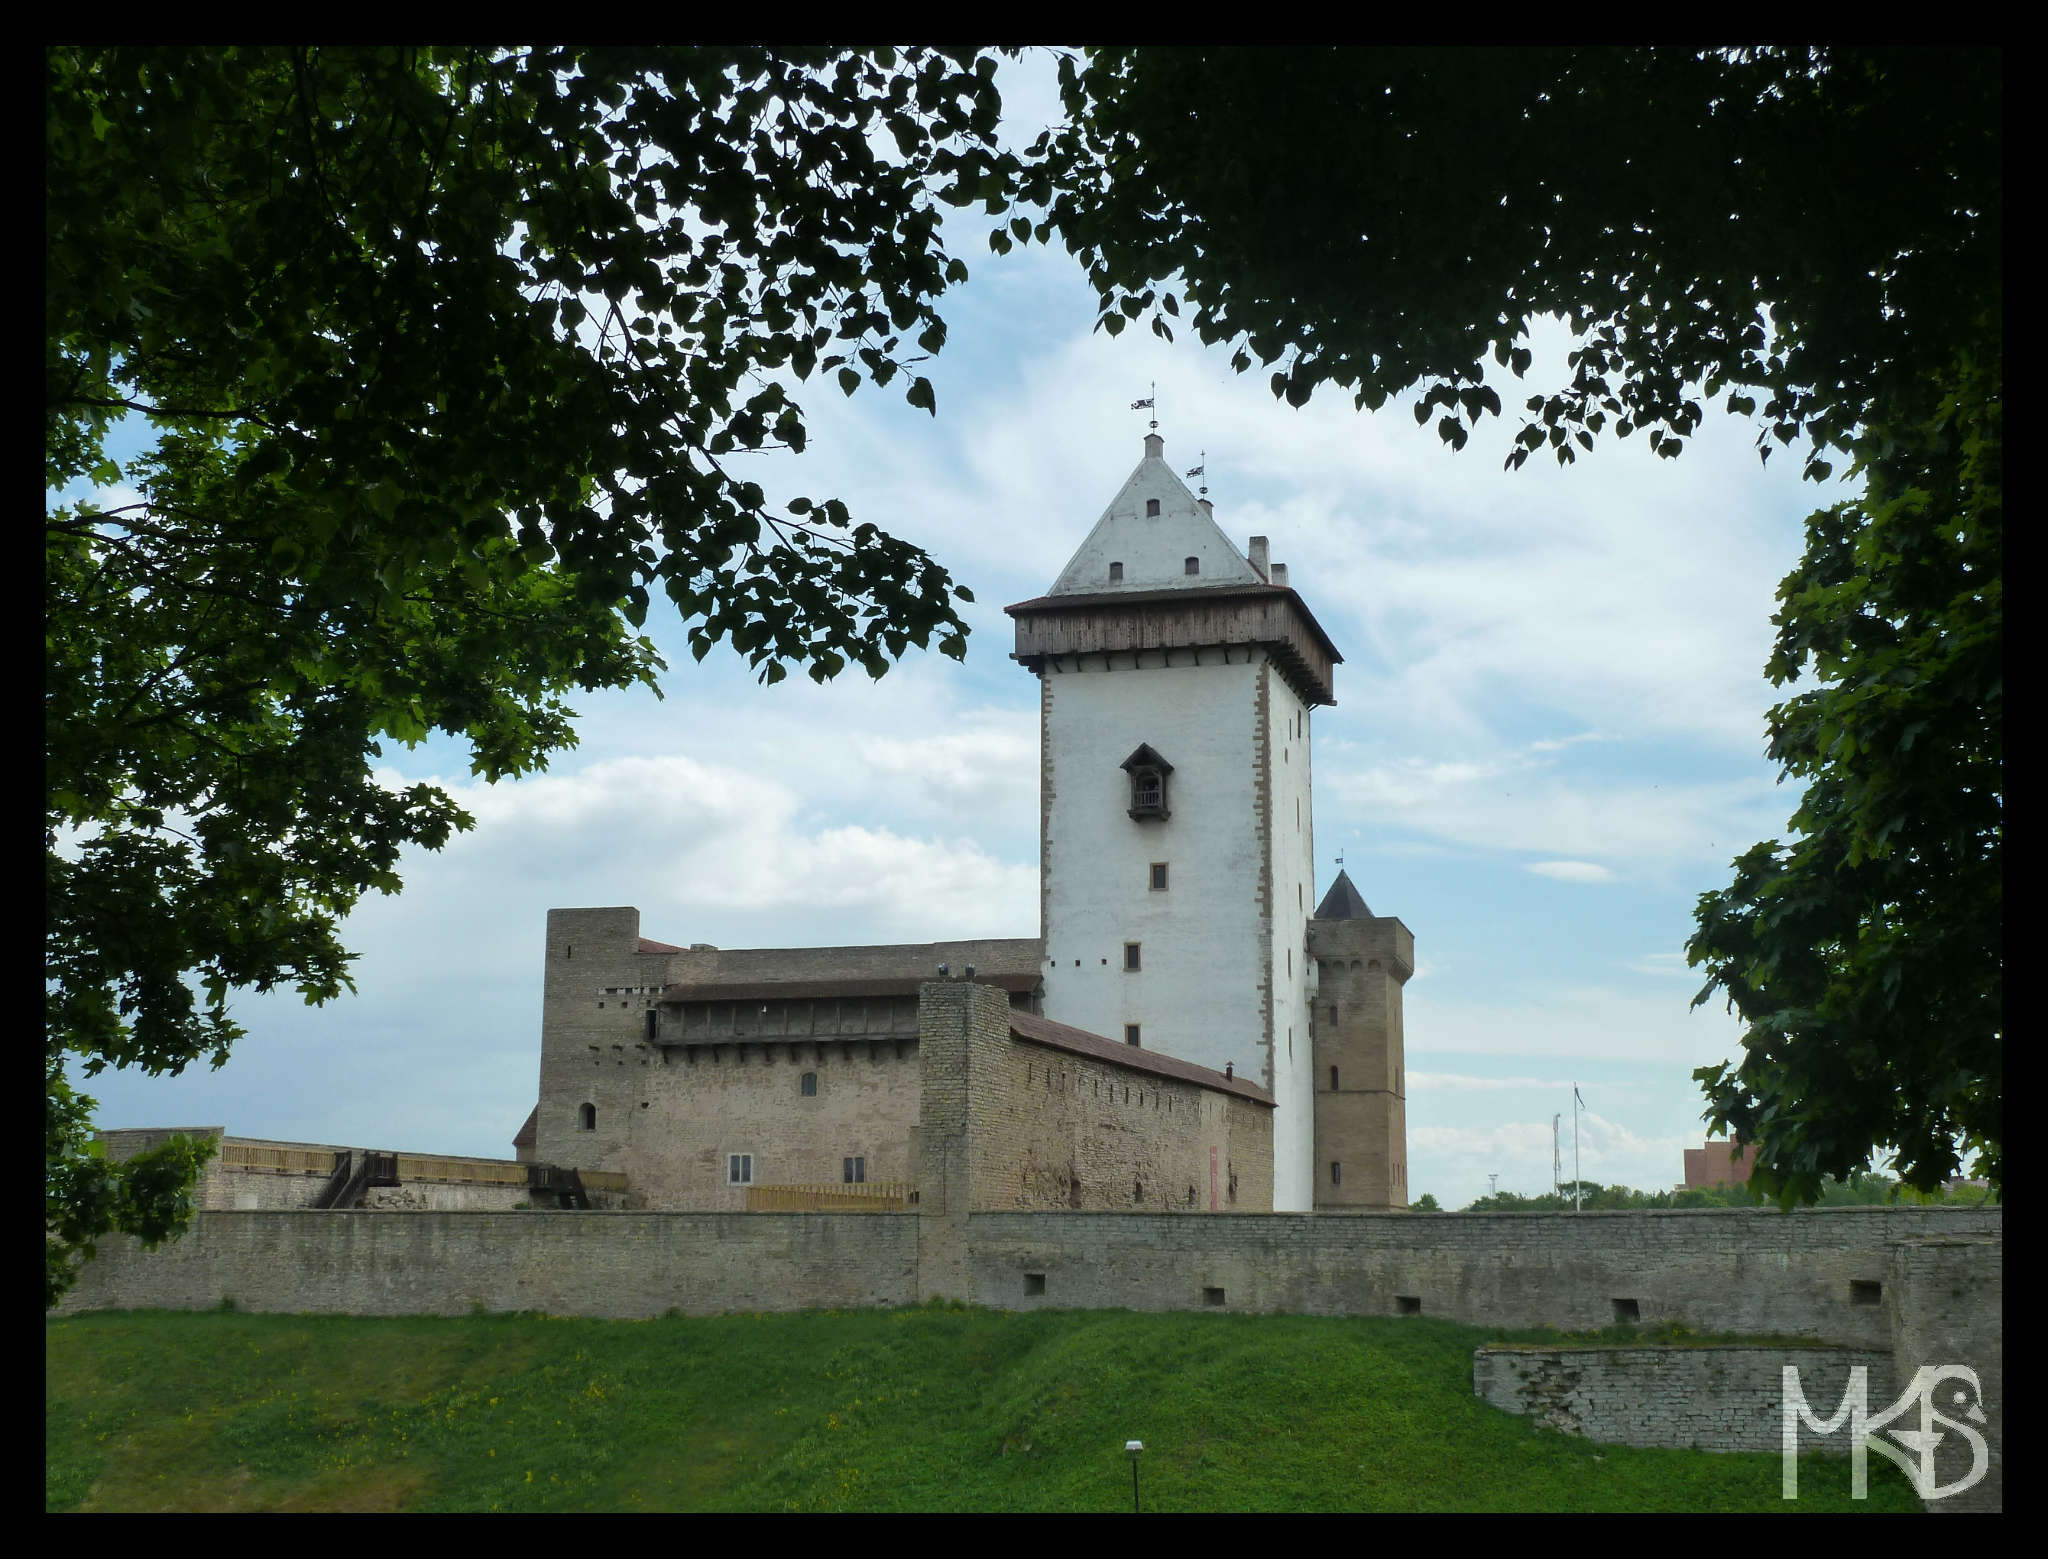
(1577, 1183)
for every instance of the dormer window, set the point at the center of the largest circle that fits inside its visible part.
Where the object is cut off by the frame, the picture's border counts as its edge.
(1116, 573)
(1148, 773)
(1191, 566)
(1151, 508)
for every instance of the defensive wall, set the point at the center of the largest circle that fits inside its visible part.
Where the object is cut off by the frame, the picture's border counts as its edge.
(1709, 1399)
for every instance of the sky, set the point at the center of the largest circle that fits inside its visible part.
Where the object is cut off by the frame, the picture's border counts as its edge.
(1548, 741)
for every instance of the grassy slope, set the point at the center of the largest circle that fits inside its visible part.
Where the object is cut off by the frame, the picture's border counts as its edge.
(930, 1409)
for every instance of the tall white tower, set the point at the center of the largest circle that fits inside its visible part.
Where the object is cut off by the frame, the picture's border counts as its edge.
(1176, 847)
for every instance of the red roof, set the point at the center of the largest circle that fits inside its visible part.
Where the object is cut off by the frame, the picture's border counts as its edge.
(808, 990)
(1059, 1036)
(647, 946)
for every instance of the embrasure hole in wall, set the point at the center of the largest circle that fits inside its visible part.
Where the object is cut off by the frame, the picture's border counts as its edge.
(1407, 1304)
(1212, 1296)
(1627, 1312)
(1864, 1293)
(1034, 1282)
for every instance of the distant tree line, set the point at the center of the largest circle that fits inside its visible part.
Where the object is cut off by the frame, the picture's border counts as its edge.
(1861, 1190)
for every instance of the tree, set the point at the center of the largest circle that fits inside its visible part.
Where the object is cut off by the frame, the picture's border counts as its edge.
(449, 357)
(1424, 1203)
(1815, 233)
(1864, 957)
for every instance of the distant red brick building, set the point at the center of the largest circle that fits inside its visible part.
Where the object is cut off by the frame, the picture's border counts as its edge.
(1717, 1164)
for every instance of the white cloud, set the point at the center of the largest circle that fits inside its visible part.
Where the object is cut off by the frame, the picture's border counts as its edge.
(1571, 871)
(1661, 964)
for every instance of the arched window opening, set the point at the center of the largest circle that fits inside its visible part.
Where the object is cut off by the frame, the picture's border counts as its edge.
(590, 1117)
(1191, 566)
(810, 1085)
(1116, 573)
(1151, 508)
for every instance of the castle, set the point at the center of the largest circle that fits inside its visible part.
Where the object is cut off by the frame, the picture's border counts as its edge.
(1177, 681)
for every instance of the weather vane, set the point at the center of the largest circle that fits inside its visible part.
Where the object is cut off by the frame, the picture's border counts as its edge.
(1202, 471)
(1150, 403)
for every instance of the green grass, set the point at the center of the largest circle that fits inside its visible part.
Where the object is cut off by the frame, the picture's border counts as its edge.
(925, 1409)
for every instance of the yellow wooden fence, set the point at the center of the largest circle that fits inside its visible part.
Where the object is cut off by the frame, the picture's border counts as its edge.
(873, 1196)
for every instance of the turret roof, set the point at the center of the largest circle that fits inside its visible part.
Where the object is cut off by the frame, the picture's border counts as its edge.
(1343, 901)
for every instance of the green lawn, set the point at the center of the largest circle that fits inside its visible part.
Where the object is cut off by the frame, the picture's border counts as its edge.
(926, 1409)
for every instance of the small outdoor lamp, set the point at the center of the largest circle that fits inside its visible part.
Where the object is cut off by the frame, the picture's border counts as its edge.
(1135, 1448)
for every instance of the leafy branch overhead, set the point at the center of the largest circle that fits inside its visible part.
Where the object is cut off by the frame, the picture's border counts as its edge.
(1788, 232)
(451, 360)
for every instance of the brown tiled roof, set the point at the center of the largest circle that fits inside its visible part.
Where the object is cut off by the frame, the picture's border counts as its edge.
(649, 946)
(529, 1134)
(821, 990)
(1059, 1036)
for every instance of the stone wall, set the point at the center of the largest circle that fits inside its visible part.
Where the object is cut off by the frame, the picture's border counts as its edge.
(1945, 1299)
(686, 1115)
(1818, 1273)
(1691, 1398)
(618, 1265)
(1044, 1127)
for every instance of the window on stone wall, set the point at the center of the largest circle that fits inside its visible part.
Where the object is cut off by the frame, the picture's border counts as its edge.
(854, 1171)
(1159, 876)
(810, 1085)
(1151, 508)
(739, 1169)
(590, 1117)
(1116, 573)
(1191, 566)
(1130, 1038)
(1131, 956)
(1333, 1079)
(1336, 1173)
(653, 1020)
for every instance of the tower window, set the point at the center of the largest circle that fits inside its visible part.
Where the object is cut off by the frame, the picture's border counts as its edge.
(1151, 508)
(855, 1171)
(1336, 1173)
(1159, 876)
(1116, 573)
(590, 1117)
(1191, 565)
(1130, 1038)
(1131, 950)
(653, 1018)
(809, 1087)
(1333, 1079)
(739, 1169)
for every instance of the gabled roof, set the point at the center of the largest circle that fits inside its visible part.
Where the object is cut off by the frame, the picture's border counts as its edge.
(529, 1134)
(1343, 902)
(648, 945)
(1146, 757)
(1154, 549)
(1062, 1036)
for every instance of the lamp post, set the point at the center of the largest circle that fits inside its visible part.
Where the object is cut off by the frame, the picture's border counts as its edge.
(1135, 1448)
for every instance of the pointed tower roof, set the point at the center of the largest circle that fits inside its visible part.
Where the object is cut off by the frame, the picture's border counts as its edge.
(1343, 901)
(1171, 580)
(1153, 548)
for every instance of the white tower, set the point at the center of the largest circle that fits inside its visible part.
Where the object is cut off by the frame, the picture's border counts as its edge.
(1176, 832)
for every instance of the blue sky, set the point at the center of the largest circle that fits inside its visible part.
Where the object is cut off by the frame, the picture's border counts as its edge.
(1548, 742)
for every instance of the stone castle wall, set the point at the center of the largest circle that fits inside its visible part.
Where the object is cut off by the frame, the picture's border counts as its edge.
(1707, 1399)
(617, 1265)
(1710, 1269)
